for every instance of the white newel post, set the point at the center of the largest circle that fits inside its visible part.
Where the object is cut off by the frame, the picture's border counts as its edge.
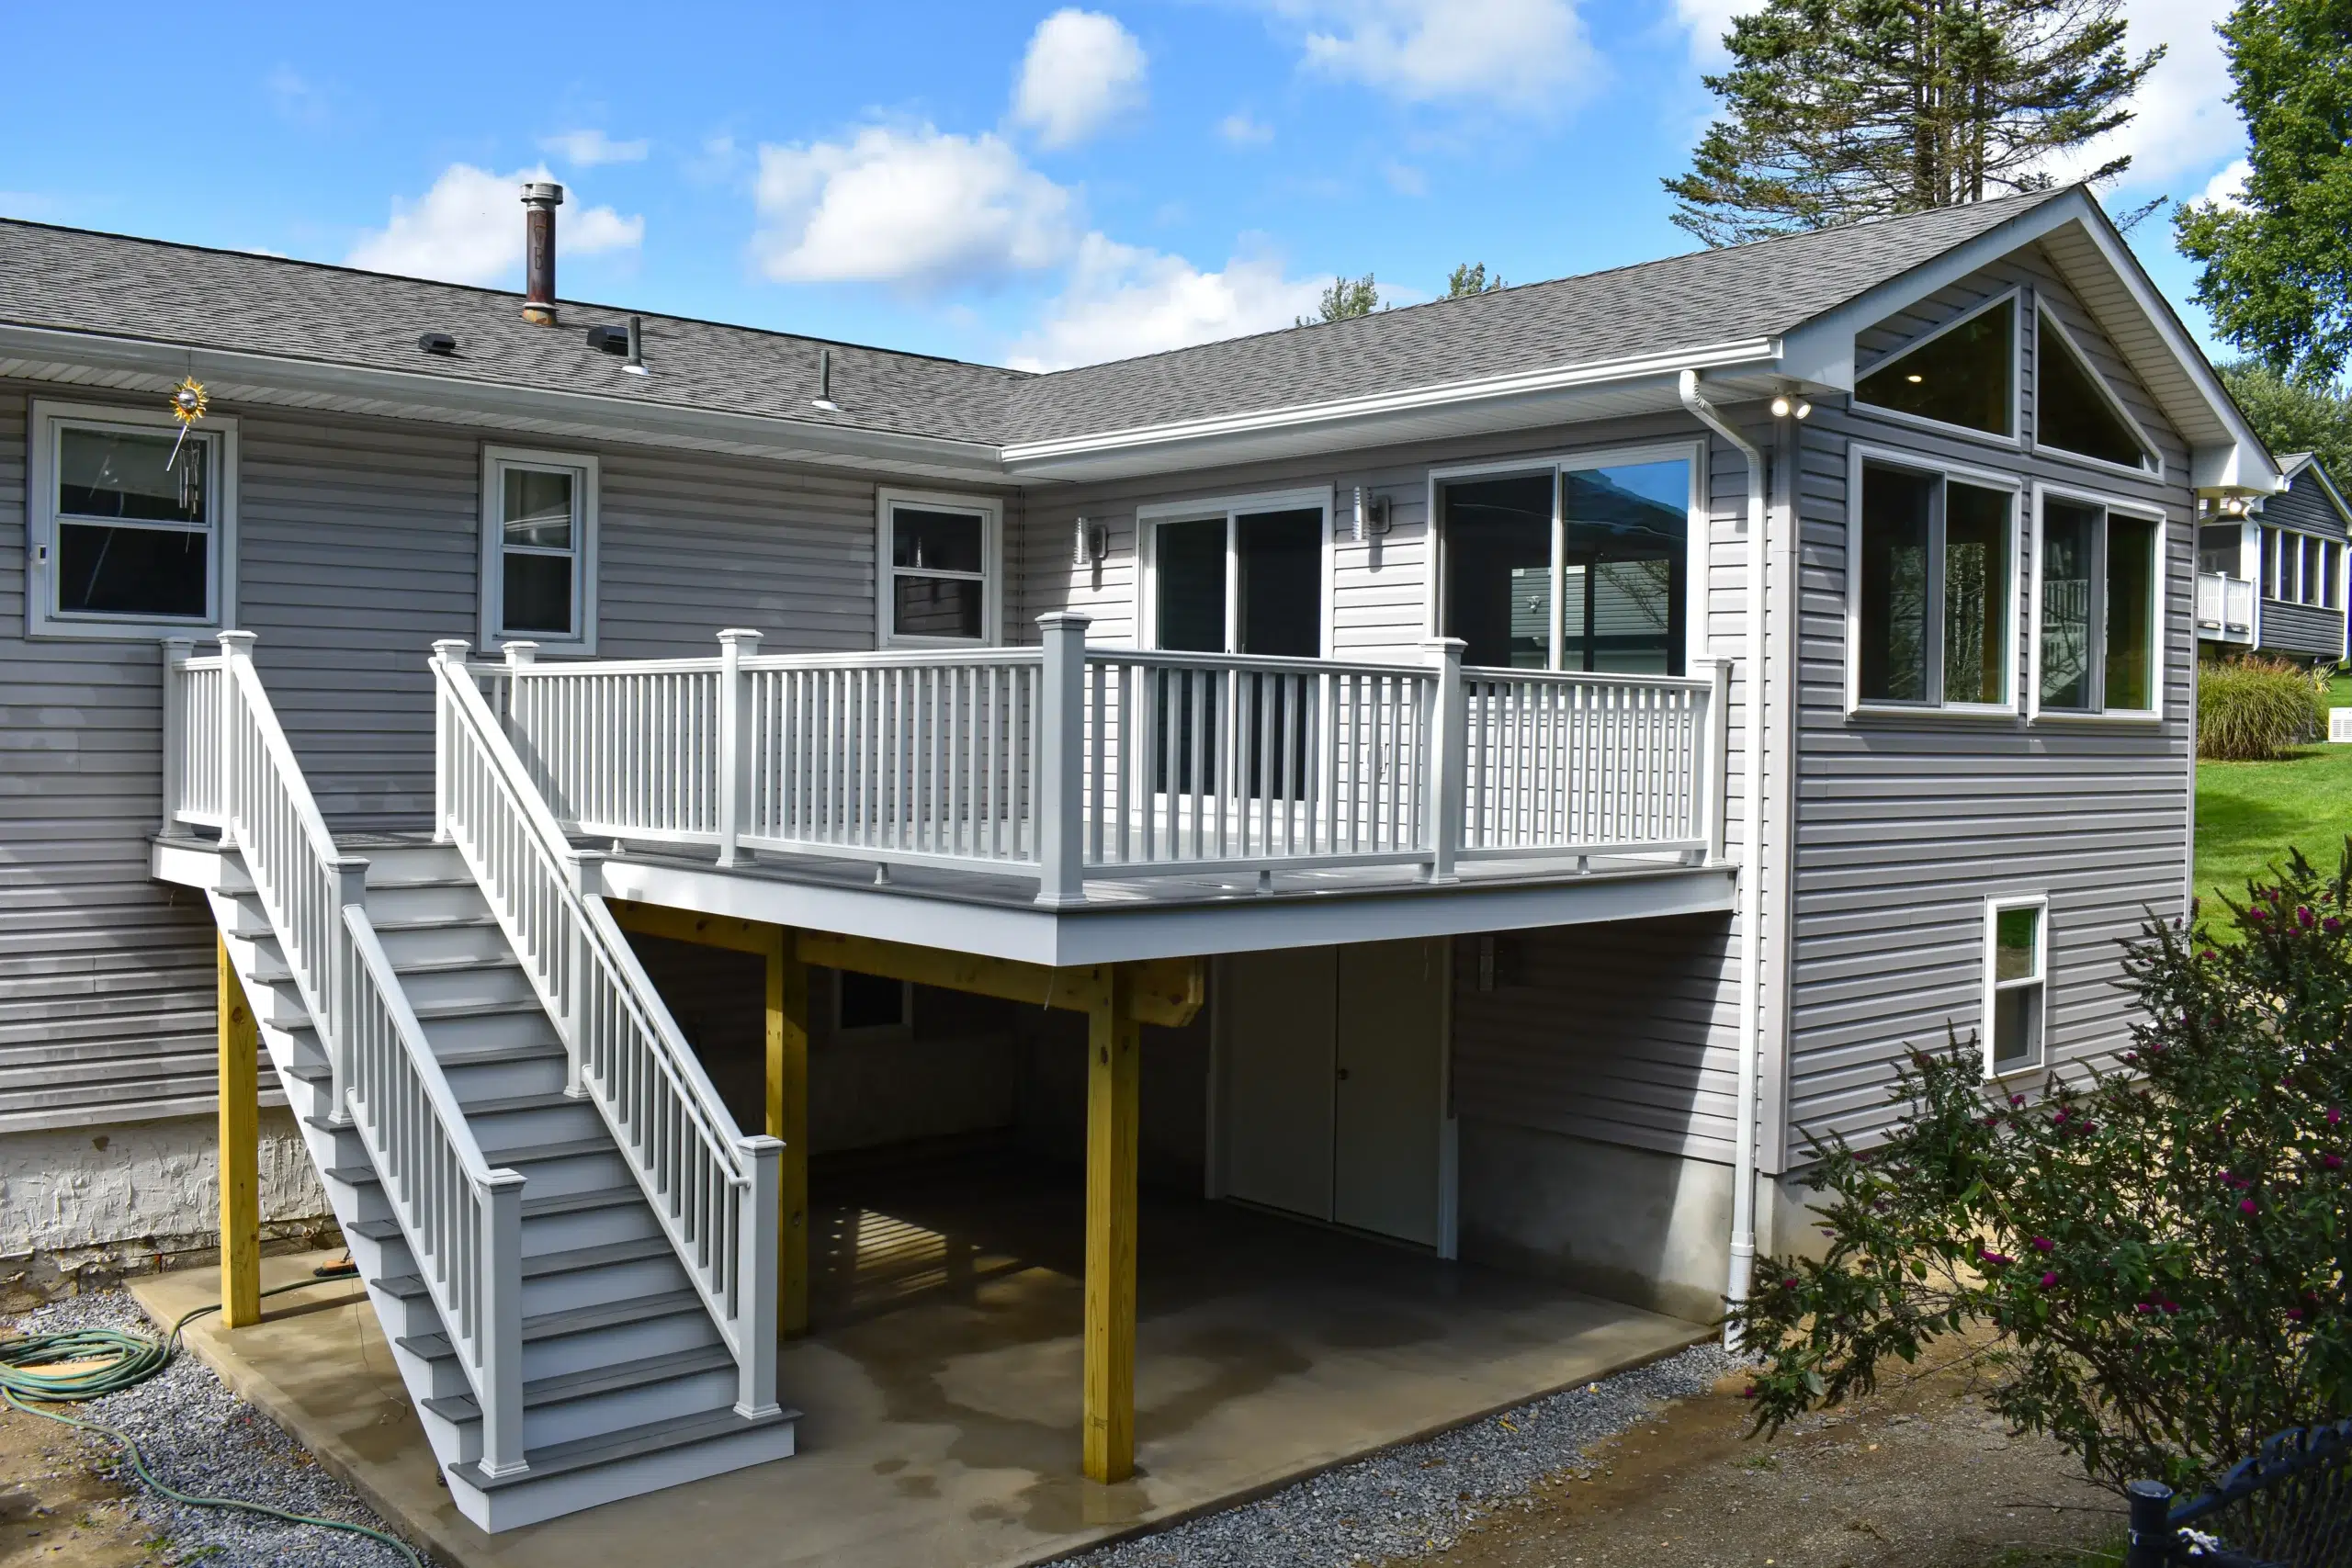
(177, 650)
(756, 1285)
(350, 892)
(449, 653)
(501, 1267)
(234, 647)
(1715, 758)
(584, 870)
(1061, 762)
(734, 738)
(1449, 756)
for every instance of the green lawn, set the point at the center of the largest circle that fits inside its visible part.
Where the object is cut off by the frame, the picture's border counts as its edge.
(2249, 813)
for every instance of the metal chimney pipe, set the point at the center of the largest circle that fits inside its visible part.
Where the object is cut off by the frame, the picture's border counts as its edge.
(540, 199)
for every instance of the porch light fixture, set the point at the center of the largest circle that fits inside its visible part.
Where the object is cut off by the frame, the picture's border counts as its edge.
(1784, 406)
(1371, 516)
(1092, 544)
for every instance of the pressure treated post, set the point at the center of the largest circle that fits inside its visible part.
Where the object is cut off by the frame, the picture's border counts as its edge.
(787, 1119)
(1449, 743)
(1061, 761)
(734, 780)
(1115, 1074)
(240, 1146)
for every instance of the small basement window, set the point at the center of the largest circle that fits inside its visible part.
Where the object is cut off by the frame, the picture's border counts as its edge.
(2017, 945)
(1964, 375)
(131, 524)
(2073, 409)
(939, 566)
(871, 1007)
(2098, 575)
(538, 568)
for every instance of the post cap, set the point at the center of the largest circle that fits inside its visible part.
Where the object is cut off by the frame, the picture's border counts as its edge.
(1053, 619)
(236, 642)
(451, 649)
(739, 634)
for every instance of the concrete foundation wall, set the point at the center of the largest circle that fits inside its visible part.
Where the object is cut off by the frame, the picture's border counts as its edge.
(82, 1207)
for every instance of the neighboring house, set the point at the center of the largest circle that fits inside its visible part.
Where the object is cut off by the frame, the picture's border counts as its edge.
(2271, 576)
(1823, 625)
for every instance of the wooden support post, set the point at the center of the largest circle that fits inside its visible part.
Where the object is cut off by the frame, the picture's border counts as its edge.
(240, 1148)
(1115, 1074)
(787, 1118)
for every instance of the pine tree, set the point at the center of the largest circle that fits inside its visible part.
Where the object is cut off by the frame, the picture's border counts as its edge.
(1347, 297)
(2276, 265)
(1838, 110)
(1470, 277)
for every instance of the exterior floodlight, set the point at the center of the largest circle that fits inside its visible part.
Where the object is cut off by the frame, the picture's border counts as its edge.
(1804, 410)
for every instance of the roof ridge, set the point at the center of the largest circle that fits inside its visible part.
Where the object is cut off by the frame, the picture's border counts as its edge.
(343, 269)
(2030, 198)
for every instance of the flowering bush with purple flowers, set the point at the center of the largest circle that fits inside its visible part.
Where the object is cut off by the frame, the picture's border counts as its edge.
(2157, 1256)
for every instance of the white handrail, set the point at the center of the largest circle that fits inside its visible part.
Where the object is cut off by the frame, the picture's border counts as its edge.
(462, 1219)
(714, 1192)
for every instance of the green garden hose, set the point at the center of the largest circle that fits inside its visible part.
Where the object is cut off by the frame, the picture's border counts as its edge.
(124, 1360)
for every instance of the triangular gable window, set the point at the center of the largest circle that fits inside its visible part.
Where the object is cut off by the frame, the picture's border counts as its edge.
(1964, 375)
(2072, 408)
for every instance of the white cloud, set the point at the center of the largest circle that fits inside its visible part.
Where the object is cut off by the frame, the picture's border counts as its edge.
(2185, 126)
(1528, 56)
(909, 205)
(1707, 21)
(586, 149)
(468, 229)
(1083, 71)
(296, 100)
(1124, 300)
(1243, 130)
(2228, 187)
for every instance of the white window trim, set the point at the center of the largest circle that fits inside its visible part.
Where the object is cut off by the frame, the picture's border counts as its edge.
(494, 460)
(1696, 533)
(1858, 456)
(903, 1030)
(991, 579)
(41, 617)
(2015, 439)
(1208, 509)
(2041, 316)
(1994, 909)
(2160, 643)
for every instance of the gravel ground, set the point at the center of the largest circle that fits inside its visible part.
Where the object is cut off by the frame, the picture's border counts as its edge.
(1420, 1497)
(200, 1438)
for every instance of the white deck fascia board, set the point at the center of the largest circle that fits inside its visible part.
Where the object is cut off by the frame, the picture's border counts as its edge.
(1116, 933)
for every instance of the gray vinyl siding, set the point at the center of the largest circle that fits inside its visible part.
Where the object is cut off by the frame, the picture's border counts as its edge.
(1906, 825)
(356, 548)
(2305, 505)
(2303, 629)
(1652, 1065)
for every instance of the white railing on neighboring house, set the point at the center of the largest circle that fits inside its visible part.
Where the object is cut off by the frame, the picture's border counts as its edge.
(2225, 607)
(1065, 762)
(227, 765)
(714, 1192)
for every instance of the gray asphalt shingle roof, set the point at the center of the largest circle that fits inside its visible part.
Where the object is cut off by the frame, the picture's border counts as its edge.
(155, 291)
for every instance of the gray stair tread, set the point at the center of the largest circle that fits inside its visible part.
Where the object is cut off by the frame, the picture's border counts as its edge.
(630, 1442)
(457, 964)
(554, 1099)
(427, 923)
(403, 881)
(540, 1393)
(409, 1285)
(429, 1012)
(310, 1072)
(558, 1148)
(571, 1320)
(483, 1055)
(580, 1202)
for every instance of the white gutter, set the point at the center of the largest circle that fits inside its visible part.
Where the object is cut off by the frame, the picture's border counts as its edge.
(1751, 860)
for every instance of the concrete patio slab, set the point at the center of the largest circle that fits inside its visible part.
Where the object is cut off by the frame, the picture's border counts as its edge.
(940, 1385)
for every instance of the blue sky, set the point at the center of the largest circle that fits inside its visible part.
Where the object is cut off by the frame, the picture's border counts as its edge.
(1010, 183)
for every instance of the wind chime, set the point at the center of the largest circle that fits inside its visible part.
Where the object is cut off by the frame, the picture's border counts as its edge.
(190, 399)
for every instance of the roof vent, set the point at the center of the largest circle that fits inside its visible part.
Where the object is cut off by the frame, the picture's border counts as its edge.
(824, 398)
(612, 340)
(441, 343)
(540, 199)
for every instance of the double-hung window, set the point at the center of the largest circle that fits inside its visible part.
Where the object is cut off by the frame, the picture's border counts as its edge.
(2099, 584)
(131, 524)
(538, 557)
(1933, 587)
(939, 568)
(2017, 957)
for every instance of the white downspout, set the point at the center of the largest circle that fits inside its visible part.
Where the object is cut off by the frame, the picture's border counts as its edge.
(1751, 859)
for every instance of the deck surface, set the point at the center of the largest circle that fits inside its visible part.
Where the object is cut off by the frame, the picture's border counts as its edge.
(942, 1382)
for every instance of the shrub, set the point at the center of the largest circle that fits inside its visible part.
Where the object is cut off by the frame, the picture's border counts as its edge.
(2248, 710)
(2158, 1255)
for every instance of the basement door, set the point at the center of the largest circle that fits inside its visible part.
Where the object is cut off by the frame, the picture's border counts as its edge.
(1332, 1084)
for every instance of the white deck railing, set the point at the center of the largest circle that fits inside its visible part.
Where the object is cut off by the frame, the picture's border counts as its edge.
(714, 1192)
(227, 765)
(1065, 762)
(2225, 607)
